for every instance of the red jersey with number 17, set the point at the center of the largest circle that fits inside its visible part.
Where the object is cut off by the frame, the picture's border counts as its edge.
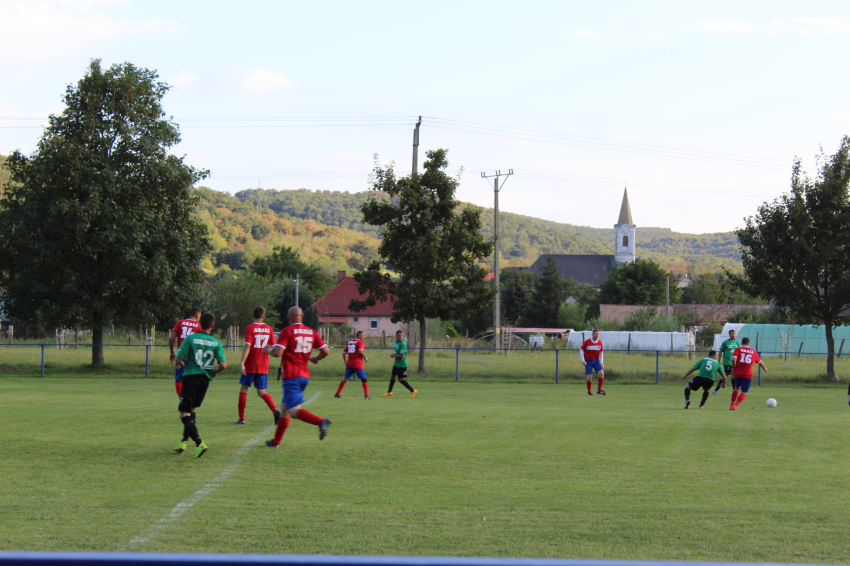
(744, 359)
(299, 341)
(257, 336)
(354, 354)
(185, 328)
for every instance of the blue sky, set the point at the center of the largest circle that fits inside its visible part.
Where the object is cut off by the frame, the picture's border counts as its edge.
(700, 108)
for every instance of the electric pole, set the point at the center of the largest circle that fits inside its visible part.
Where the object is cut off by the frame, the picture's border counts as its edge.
(497, 327)
(297, 281)
(412, 174)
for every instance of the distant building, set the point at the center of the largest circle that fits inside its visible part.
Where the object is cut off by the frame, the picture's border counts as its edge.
(595, 269)
(699, 314)
(333, 310)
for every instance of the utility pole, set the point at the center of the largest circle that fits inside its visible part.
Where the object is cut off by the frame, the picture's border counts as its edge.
(667, 308)
(497, 327)
(414, 170)
(297, 281)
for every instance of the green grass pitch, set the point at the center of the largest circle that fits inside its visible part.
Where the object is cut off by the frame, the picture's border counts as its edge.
(473, 469)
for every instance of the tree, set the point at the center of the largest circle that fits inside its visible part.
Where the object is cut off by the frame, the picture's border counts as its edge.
(285, 299)
(546, 300)
(705, 290)
(236, 295)
(640, 283)
(97, 225)
(434, 249)
(284, 262)
(362, 255)
(796, 250)
(516, 297)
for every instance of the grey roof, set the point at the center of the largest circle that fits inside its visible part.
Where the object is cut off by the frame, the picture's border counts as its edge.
(625, 211)
(592, 269)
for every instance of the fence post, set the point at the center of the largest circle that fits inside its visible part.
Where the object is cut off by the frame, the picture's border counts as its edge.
(147, 360)
(42, 360)
(656, 366)
(457, 364)
(557, 360)
(759, 370)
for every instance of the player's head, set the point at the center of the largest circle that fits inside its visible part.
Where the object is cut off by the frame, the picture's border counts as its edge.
(294, 315)
(745, 341)
(732, 334)
(207, 321)
(259, 313)
(195, 313)
(360, 334)
(399, 335)
(712, 353)
(595, 334)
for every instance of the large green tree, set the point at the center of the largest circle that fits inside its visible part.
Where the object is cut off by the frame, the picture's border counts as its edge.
(284, 262)
(96, 226)
(796, 250)
(433, 248)
(546, 301)
(640, 283)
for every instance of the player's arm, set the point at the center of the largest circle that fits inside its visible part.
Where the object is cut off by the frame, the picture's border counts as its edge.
(761, 363)
(581, 355)
(324, 352)
(222, 361)
(602, 359)
(363, 353)
(690, 371)
(246, 349)
(344, 355)
(182, 354)
(722, 373)
(274, 350)
(171, 338)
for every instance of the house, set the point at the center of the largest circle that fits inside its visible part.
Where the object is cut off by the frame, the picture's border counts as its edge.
(333, 310)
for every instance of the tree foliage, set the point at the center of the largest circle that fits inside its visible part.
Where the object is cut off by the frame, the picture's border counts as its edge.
(796, 250)
(433, 248)
(96, 226)
(286, 263)
(546, 301)
(236, 295)
(640, 283)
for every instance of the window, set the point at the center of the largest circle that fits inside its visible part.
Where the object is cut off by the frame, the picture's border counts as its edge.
(355, 320)
(373, 324)
(625, 241)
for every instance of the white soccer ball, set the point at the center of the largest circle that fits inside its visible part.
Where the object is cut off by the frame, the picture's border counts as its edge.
(771, 402)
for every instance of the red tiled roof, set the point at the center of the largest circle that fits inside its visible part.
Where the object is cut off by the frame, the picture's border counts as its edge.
(489, 277)
(335, 303)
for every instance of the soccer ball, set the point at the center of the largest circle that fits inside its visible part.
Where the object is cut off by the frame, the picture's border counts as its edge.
(771, 402)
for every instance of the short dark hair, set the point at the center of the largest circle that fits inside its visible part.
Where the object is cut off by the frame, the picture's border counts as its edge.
(712, 353)
(195, 311)
(207, 320)
(596, 330)
(745, 341)
(259, 312)
(399, 331)
(360, 333)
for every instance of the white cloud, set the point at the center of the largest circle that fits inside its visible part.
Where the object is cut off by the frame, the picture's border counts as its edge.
(819, 26)
(182, 80)
(727, 27)
(259, 81)
(36, 30)
(584, 32)
(803, 26)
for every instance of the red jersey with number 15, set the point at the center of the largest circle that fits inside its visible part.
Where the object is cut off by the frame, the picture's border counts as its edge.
(592, 350)
(299, 341)
(744, 359)
(257, 336)
(185, 328)
(354, 354)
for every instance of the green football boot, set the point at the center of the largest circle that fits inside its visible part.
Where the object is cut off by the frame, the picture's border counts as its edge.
(180, 448)
(200, 450)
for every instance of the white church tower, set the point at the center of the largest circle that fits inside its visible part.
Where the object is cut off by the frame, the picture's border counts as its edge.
(624, 234)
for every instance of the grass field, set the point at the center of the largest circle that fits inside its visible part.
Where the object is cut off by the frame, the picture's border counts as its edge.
(475, 469)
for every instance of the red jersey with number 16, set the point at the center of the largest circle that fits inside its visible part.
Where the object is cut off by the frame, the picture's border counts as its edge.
(592, 350)
(354, 354)
(299, 341)
(185, 328)
(744, 360)
(257, 336)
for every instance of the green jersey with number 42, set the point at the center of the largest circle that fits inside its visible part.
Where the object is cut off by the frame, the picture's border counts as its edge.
(708, 367)
(203, 352)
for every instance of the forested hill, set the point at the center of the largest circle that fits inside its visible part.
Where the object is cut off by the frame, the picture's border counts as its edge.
(524, 238)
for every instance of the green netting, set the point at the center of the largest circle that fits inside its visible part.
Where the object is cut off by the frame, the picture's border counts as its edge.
(772, 339)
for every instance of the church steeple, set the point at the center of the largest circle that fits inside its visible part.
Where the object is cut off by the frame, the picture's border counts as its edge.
(624, 233)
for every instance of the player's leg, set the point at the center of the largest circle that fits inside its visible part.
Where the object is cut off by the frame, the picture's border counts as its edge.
(706, 391)
(728, 370)
(244, 384)
(361, 374)
(178, 380)
(736, 390)
(348, 372)
(294, 397)
(261, 384)
(600, 379)
(688, 393)
(745, 388)
(402, 378)
(588, 375)
(392, 382)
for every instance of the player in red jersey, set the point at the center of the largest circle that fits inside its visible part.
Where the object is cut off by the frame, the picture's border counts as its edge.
(591, 356)
(742, 373)
(255, 364)
(181, 330)
(353, 354)
(295, 343)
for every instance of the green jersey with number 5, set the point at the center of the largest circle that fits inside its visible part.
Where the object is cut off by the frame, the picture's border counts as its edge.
(203, 352)
(708, 367)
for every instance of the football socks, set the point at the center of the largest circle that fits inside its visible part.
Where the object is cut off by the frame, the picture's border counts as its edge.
(741, 398)
(601, 381)
(589, 385)
(734, 396)
(705, 395)
(190, 430)
(406, 384)
(270, 402)
(306, 416)
(282, 425)
(366, 389)
(341, 385)
(243, 401)
(392, 383)
(178, 386)
(687, 393)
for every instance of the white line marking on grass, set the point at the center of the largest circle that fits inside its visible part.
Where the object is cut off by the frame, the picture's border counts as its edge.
(188, 503)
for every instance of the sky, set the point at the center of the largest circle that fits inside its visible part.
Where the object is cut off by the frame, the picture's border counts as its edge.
(698, 108)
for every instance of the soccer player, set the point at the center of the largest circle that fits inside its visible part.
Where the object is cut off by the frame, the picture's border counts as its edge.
(200, 350)
(399, 356)
(707, 367)
(255, 364)
(592, 358)
(181, 330)
(353, 354)
(742, 373)
(727, 348)
(295, 343)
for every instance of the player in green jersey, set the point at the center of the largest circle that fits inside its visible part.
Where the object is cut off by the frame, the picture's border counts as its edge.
(200, 350)
(727, 348)
(707, 367)
(399, 357)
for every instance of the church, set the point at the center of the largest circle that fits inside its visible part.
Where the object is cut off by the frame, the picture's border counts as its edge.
(594, 269)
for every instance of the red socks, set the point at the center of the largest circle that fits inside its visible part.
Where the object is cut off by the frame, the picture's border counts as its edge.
(243, 401)
(341, 385)
(178, 385)
(365, 388)
(601, 381)
(306, 416)
(741, 398)
(270, 402)
(734, 397)
(282, 425)
(589, 385)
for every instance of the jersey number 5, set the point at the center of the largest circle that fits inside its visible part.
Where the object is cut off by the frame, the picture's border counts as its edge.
(303, 344)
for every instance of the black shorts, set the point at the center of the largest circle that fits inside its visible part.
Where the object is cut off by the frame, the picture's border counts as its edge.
(698, 383)
(401, 373)
(728, 370)
(193, 392)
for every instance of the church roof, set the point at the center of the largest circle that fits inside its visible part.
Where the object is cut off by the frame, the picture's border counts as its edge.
(625, 211)
(592, 269)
